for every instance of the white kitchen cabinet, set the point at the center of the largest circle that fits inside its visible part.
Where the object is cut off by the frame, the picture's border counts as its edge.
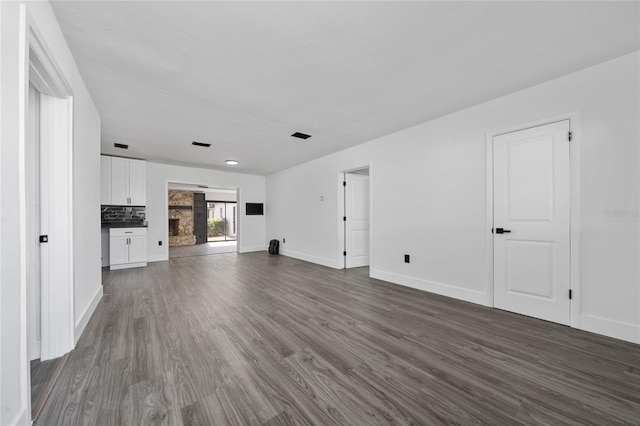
(137, 182)
(119, 181)
(127, 248)
(127, 182)
(105, 180)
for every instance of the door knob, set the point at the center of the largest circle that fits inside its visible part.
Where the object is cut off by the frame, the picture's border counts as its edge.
(502, 231)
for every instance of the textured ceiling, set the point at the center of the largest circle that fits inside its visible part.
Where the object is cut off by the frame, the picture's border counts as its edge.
(243, 76)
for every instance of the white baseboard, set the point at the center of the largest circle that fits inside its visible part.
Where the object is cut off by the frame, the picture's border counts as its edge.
(21, 417)
(431, 286)
(251, 249)
(331, 263)
(86, 315)
(610, 328)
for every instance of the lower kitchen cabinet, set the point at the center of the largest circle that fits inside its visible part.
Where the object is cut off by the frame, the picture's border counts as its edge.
(127, 248)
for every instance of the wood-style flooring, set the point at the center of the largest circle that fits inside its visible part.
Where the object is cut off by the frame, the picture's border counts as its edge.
(215, 247)
(43, 376)
(257, 339)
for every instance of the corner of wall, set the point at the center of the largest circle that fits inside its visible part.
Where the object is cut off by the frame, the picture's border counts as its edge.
(86, 315)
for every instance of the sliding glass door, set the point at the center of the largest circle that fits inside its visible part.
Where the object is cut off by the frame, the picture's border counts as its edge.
(221, 221)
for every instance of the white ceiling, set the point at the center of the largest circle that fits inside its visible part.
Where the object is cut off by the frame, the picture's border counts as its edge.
(243, 76)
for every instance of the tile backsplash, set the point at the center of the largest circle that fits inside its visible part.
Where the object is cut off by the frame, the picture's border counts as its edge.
(112, 214)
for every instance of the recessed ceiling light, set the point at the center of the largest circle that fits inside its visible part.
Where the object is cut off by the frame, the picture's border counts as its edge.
(121, 145)
(232, 162)
(301, 135)
(206, 145)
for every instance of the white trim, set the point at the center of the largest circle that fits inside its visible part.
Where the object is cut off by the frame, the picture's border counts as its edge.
(611, 328)
(22, 418)
(574, 126)
(250, 249)
(86, 315)
(331, 263)
(431, 286)
(127, 266)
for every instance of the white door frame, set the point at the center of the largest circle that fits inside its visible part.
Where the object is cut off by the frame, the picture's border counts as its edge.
(340, 260)
(574, 120)
(239, 223)
(38, 66)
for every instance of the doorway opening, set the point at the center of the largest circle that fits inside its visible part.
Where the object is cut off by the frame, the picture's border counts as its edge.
(356, 217)
(199, 226)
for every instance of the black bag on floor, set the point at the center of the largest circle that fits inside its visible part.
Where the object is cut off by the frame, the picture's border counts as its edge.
(274, 247)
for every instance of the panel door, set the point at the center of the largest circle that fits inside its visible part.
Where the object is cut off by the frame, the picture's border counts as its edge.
(119, 179)
(357, 223)
(137, 248)
(137, 182)
(531, 222)
(118, 250)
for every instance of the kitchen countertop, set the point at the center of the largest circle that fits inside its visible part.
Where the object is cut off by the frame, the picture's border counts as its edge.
(124, 224)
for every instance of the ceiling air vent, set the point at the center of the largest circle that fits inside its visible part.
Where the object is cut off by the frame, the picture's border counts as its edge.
(121, 145)
(301, 135)
(206, 145)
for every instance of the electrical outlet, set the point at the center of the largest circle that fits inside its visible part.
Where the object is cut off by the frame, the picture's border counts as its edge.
(406, 258)
(284, 240)
(159, 243)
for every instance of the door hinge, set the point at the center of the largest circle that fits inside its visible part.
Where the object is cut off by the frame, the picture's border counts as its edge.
(570, 136)
(492, 230)
(344, 218)
(570, 294)
(344, 183)
(344, 253)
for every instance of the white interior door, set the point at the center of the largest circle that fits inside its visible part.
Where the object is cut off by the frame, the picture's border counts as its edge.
(32, 185)
(531, 222)
(357, 220)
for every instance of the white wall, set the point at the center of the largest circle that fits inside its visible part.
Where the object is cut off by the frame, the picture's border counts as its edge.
(251, 229)
(429, 196)
(219, 196)
(86, 219)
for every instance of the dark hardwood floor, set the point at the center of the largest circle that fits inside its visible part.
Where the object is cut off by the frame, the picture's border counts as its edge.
(43, 377)
(259, 339)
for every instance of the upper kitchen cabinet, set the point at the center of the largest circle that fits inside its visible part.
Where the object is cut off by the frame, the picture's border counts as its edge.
(127, 182)
(105, 180)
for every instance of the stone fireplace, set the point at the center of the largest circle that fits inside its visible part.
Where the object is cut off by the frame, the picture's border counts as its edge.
(174, 227)
(181, 219)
